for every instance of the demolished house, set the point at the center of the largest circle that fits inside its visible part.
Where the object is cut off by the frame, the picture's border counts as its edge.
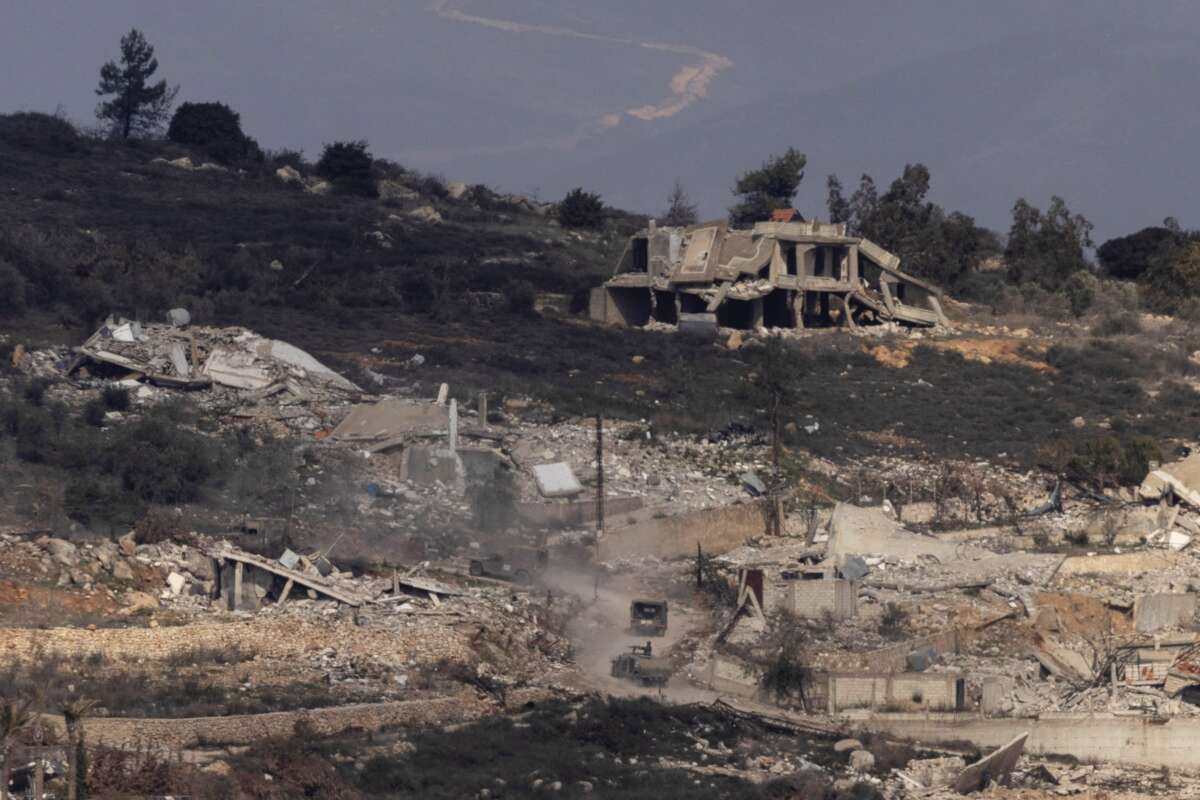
(262, 378)
(776, 275)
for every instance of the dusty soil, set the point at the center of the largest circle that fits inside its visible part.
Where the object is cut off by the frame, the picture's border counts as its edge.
(1013, 351)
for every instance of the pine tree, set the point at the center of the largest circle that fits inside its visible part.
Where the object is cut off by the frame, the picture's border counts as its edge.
(137, 107)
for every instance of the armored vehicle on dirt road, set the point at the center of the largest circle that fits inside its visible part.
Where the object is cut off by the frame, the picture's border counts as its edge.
(640, 665)
(648, 617)
(520, 565)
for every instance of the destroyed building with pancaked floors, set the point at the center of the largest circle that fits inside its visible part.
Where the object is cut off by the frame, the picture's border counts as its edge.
(776, 275)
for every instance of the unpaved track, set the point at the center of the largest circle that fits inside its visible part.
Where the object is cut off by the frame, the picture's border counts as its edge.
(601, 632)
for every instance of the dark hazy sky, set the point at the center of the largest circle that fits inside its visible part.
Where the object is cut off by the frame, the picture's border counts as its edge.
(1094, 100)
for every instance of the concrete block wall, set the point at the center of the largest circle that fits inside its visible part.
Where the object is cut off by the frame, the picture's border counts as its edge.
(894, 658)
(178, 734)
(731, 676)
(1132, 740)
(718, 530)
(895, 691)
(578, 513)
(812, 598)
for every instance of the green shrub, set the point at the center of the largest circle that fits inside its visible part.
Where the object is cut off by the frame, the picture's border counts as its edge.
(893, 624)
(286, 157)
(580, 209)
(156, 526)
(347, 165)
(158, 462)
(1080, 291)
(521, 297)
(1129, 256)
(1110, 461)
(215, 128)
(93, 412)
(43, 133)
(1121, 323)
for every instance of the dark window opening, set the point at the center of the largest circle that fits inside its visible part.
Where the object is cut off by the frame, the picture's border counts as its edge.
(632, 304)
(900, 290)
(789, 254)
(641, 254)
(737, 314)
(777, 310)
(817, 310)
(664, 308)
(692, 304)
(818, 262)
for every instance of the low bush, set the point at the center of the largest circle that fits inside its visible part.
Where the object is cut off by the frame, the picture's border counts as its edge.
(347, 165)
(521, 297)
(893, 624)
(580, 209)
(216, 129)
(156, 526)
(1121, 323)
(42, 133)
(93, 412)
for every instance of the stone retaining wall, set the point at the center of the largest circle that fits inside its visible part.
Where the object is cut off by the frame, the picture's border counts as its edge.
(180, 734)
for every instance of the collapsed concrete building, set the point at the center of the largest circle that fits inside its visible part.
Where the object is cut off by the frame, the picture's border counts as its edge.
(776, 275)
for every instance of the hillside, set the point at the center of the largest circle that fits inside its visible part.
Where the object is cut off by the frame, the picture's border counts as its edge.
(99, 227)
(337, 534)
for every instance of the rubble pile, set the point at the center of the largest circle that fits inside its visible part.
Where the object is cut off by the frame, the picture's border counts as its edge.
(233, 371)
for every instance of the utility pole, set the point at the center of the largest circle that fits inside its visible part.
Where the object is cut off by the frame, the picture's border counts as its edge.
(775, 510)
(599, 481)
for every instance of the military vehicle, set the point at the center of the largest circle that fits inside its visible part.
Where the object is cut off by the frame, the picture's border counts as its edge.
(519, 565)
(648, 617)
(640, 665)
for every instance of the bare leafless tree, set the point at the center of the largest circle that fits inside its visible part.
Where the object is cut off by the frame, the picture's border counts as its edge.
(681, 211)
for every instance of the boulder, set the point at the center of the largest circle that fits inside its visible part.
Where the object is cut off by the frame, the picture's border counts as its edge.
(60, 550)
(847, 745)
(138, 601)
(106, 553)
(862, 761)
(319, 187)
(456, 190)
(122, 571)
(175, 583)
(426, 214)
(178, 317)
(127, 544)
(182, 163)
(200, 565)
(289, 175)
(396, 192)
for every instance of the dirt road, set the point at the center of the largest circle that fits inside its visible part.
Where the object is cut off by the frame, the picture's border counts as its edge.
(601, 632)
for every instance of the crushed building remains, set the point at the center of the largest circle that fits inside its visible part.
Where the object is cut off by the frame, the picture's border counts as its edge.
(776, 275)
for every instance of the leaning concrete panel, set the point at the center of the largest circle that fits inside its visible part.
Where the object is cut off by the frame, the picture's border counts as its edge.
(997, 766)
(1181, 478)
(700, 256)
(1153, 612)
(389, 418)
